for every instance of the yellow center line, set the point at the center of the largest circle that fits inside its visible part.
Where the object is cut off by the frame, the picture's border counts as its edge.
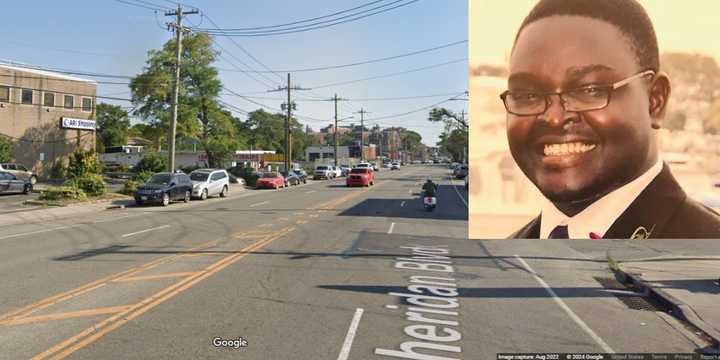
(153, 277)
(65, 315)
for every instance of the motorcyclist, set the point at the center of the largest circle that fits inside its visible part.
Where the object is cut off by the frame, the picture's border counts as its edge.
(430, 188)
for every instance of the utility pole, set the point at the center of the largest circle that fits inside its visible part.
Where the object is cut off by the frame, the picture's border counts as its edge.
(290, 106)
(335, 136)
(362, 113)
(179, 30)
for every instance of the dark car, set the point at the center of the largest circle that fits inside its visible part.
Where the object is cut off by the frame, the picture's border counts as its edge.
(9, 183)
(291, 178)
(302, 174)
(163, 188)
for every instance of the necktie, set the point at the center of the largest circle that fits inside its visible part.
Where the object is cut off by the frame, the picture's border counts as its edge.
(559, 232)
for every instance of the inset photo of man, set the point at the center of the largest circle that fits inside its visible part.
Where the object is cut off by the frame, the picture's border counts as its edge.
(594, 119)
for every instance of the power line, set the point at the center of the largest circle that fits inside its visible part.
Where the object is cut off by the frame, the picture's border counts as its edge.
(412, 111)
(127, 2)
(391, 74)
(330, 67)
(305, 28)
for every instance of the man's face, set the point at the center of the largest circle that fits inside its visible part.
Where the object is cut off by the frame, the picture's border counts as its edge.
(608, 147)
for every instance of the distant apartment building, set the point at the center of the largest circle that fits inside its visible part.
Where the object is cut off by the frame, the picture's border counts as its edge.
(33, 104)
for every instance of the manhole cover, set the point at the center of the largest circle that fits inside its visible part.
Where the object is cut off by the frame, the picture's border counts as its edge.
(628, 295)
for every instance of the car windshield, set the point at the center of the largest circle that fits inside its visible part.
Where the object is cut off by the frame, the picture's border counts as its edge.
(270, 175)
(321, 168)
(199, 176)
(160, 179)
(359, 171)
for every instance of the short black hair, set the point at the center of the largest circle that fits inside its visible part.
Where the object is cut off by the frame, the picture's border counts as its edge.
(627, 15)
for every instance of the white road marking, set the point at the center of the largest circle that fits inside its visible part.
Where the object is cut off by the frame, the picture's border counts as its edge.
(456, 190)
(260, 203)
(345, 351)
(38, 231)
(392, 226)
(562, 304)
(146, 230)
(310, 192)
(402, 204)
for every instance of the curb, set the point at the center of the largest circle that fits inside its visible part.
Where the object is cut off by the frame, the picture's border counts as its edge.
(678, 308)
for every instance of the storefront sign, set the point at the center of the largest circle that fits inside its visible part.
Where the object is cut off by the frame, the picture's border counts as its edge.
(80, 124)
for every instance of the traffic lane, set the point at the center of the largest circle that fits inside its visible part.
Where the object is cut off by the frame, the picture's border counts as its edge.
(572, 275)
(79, 253)
(267, 298)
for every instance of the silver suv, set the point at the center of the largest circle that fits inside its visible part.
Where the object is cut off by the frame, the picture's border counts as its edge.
(20, 172)
(209, 182)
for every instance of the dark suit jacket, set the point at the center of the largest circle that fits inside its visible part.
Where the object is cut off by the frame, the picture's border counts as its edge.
(662, 209)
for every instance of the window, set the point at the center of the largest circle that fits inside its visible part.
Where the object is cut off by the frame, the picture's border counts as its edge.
(69, 101)
(86, 104)
(216, 176)
(49, 99)
(4, 94)
(27, 96)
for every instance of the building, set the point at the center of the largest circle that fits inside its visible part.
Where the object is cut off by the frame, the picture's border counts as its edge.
(44, 114)
(326, 154)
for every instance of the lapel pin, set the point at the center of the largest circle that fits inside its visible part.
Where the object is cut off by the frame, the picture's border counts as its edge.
(641, 233)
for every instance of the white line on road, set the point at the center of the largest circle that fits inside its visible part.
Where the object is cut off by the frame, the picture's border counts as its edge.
(392, 226)
(260, 203)
(144, 231)
(402, 204)
(38, 232)
(345, 351)
(310, 192)
(456, 190)
(562, 304)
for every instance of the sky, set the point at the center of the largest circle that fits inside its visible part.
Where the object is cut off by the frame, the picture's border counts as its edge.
(685, 26)
(112, 37)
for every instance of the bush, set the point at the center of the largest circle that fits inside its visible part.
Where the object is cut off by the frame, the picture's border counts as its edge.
(130, 187)
(5, 149)
(189, 169)
(83, 163)
(58, 169)
(152, 162)
(91, 184)
(143, 176)
(62, 192)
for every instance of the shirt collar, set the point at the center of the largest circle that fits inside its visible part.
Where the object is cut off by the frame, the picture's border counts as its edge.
(600, 215)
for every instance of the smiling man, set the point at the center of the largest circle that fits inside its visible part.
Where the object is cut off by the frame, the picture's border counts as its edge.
(584, 101)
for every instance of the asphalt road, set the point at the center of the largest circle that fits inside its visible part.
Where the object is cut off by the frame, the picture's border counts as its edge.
(15, 202)
(318, 271)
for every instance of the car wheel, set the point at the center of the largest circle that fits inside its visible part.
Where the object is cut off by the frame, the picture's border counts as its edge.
(165, 199)
(204, 195)
(27, 189)
(304, 181)
(224, 191)
(33, 180)
(187, 197)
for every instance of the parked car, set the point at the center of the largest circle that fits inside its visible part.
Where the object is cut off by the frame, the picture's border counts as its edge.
(21, 172)
(395, 166)
(302, 174)
(209, 182)
(375, 167)
(291, 178)
(163, 188)
(363, 165)
(270, 180)
(360, 176)
(323, 172)
(461, 172)
(9, 183)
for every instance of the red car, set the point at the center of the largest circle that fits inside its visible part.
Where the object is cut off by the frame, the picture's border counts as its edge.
(360, 176)
(270, 180)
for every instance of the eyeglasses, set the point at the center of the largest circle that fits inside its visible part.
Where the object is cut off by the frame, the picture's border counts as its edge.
(593, 97)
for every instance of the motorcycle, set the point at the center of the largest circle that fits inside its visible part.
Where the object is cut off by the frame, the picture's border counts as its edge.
(429, 202)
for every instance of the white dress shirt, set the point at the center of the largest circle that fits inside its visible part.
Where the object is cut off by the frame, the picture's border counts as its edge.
(600, 215)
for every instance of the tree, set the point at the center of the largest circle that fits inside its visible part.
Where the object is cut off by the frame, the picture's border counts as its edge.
(5, 149)
(113, 126)
(266, 130)
(199, 115)
(454, 138)
(449, 118)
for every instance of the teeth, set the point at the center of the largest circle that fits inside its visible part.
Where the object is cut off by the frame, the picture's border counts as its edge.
(567, 149)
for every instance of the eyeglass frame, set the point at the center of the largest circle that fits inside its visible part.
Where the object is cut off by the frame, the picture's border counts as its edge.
(610, 88)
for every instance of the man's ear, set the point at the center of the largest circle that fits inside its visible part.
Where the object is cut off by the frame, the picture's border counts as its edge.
(659, 96)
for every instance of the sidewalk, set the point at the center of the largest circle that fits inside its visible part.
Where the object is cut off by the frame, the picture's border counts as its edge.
(687, 284)
(74, 210)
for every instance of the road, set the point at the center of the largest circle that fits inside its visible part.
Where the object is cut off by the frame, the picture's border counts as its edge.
(318, 271)
(16, 202)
